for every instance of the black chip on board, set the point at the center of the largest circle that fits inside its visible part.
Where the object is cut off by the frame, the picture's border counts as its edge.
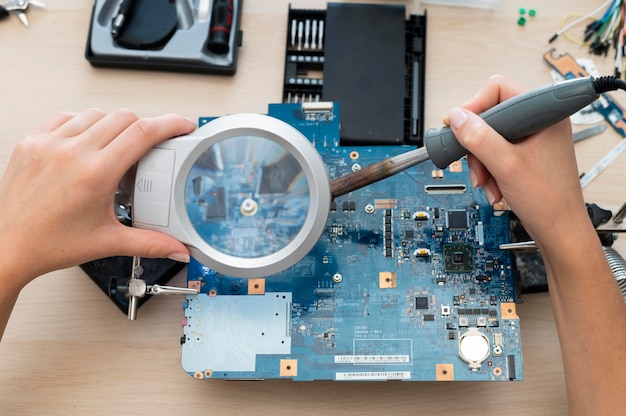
(421, 302)
(457, 220)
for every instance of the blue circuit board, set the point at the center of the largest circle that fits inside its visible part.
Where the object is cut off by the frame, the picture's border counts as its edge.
(406, 283)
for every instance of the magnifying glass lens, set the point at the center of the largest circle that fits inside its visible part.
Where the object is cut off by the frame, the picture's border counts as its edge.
(247, 196)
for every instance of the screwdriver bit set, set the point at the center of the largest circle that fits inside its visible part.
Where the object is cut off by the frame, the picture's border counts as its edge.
(305, 57)
(369, 58)
(171, 35)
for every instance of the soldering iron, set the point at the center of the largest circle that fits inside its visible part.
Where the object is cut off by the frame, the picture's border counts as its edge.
(514, 119)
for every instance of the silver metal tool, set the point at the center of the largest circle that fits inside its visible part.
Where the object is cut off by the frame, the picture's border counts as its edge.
(377, 172)
(603, 163)
(620, 214)
(521, 246)
(123, 13)
(137, 288)
(307, 33)
(588, 132)
(19, 7)
(204, 8)
(314, 34)
(294, 31)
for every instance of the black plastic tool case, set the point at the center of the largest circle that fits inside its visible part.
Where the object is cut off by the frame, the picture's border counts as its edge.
(185, 51)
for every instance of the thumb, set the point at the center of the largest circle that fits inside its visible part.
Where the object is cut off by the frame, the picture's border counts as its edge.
(480, 139)
(151, 244)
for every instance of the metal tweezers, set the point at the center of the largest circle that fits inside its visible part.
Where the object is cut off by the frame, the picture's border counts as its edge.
(19, 8)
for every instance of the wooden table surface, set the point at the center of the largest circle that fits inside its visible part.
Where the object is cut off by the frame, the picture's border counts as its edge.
(68, 350)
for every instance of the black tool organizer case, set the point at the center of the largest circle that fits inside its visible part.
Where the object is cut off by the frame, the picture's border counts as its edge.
(170, 35)
(370, 58)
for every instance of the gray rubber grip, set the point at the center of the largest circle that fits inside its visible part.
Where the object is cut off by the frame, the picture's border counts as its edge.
(518, 117)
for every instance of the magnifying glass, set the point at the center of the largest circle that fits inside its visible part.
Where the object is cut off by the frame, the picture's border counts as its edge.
(247, 193)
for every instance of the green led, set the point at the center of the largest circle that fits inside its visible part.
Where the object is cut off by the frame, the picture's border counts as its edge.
(532, 12)
(522, 10)
(521, 21)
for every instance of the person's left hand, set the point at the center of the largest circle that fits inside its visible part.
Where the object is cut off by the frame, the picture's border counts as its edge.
(56, 195)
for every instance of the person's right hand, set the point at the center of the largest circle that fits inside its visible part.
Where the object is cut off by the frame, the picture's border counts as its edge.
(538, 176)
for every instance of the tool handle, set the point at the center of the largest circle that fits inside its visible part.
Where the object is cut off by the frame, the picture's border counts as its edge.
(123, 13)
(219, 29)
(518, 117)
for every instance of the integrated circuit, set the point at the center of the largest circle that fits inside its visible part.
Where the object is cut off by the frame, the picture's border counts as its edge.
(421, 302)
(457, 220)
(458, 258)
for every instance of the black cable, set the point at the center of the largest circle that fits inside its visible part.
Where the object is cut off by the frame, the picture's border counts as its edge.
(608, 83)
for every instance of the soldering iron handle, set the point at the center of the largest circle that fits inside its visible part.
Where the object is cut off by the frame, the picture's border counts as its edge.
(518, 117)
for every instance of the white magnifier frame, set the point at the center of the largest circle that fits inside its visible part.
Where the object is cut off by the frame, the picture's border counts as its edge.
(162, 174)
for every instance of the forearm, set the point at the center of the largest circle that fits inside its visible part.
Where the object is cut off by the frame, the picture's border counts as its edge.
(7, 301)
(591, 321)
(13, 275)
(17, 269)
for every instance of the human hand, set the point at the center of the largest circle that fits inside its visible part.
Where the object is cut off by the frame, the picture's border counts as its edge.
(56, 195)
(537, 176)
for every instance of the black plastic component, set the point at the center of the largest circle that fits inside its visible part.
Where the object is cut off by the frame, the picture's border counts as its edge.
(219, 31)
(607, 238)
(415, 79)
(529, 267)
(457, 220)
(112, 273)
(370, 60)
(421, 302)
(598, 215)
(364, 71)
(510, 363)
(151, 24)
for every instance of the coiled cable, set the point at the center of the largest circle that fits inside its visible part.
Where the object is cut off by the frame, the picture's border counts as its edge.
(618, 267)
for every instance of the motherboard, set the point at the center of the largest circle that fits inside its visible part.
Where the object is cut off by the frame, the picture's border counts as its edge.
(407, 282)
